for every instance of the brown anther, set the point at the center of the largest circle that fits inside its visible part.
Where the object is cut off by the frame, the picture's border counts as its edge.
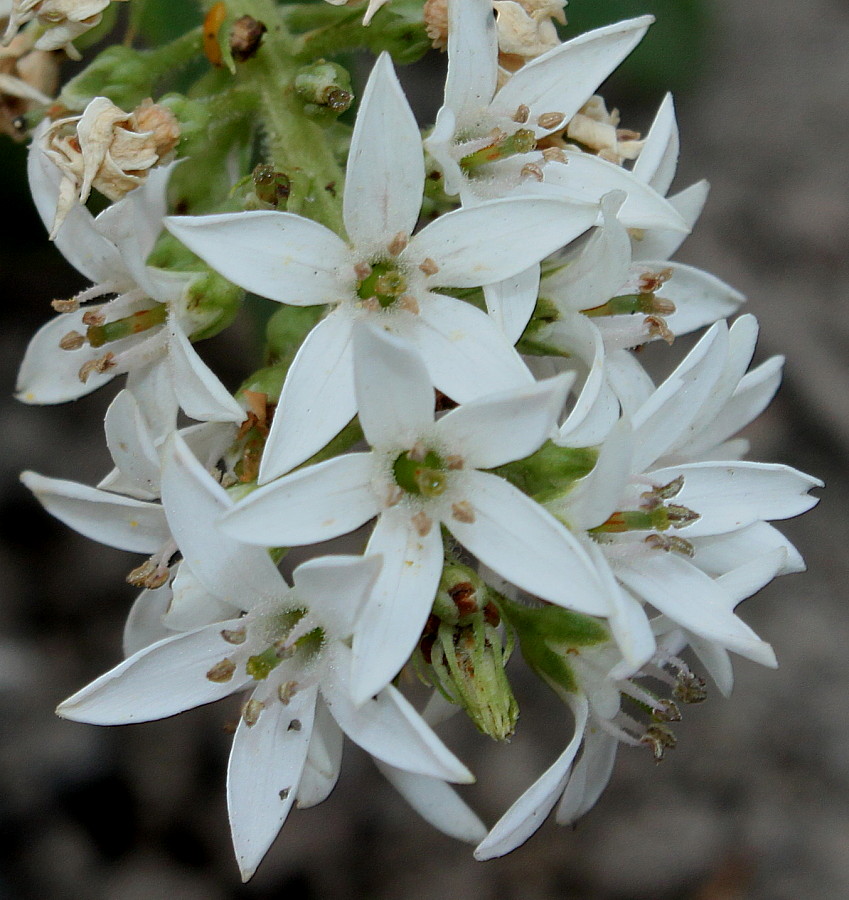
(463, 593)
(463, 512)
(657, 327)
(93, 317)
(671, 544)
(550, 120)
(222, 671)
(398, 243)
(554, 154)
(65, 306)
(362, 270)
(234, 636)
(666, 711)
(491, 615)
(658, 738)
(251, 711)
(73, 340)
(681, 516)
(522, 114)
(689, 688)
(649, 282)
(394, 495)
(245, 37)
(670, 489)
(428, 266)
(286, 691)
(409, 303)
(454, 462)
(417, 452)
(432, 625)
(422, 523)
(372, 304)
(532, 170)
(627, 134)
(101, 365)
(662, 306)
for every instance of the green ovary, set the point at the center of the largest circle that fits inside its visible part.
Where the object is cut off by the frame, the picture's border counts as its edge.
(424, 477)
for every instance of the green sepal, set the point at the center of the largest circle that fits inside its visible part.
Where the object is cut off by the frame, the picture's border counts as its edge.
(119, 73)
(286, 330)
(550, 472)
(212, 303)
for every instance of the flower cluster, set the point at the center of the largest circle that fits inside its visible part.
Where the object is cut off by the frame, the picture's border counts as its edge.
(451, 423)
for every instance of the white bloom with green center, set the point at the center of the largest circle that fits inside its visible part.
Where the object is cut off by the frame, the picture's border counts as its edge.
(143, 330)
(291, 650)
(382, 273)
(422, 472)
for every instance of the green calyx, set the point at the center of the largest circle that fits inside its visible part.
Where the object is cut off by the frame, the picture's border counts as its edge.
(422, 474)
(386, 283)
(144, 319)
(550, 472)
(646, 303)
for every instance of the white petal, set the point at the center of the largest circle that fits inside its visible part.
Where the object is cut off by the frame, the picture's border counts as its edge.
(49, 374)
(511, 302)
(629, 380)
(235, 573)
(748, 579)
(317, 399)
(658, 159)
(531, 809)
(465, 352)
(564, 78)
(720, 553)
(589, 777)
(505, 426)
(131, 445)
(498, 239)
(324, 759)
(699, 297)
(144, 622)
(729, 496)
(525, 544)
(111, 519)
(192, 605)
(310, 505)
(437, 803)
(263, 774)
(387, 727)
(159, 681)
(472, 59)
(717, 663)
(662, 243)
(588, 178)
(153, 388)
(399, 604)
(385, 176)
(274, 254)
(394, 393)
(199, 392)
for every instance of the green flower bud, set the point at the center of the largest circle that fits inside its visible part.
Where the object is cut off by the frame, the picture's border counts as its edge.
(550, 472)
(212, 304)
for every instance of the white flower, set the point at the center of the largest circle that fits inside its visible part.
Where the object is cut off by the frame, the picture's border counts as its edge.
(292, 650)
(383, 274)
(421, 472)
(143, 328)
(62, 21)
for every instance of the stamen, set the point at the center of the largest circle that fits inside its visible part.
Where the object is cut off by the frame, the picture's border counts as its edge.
(398, 243)
(463, 512)
(65, 306)
(73, 340)
(251, 711)
(235, 636)
(428, 266)
(93, 317)
(101, 365)
(409, 303)
(286, 691)
(554, 154)
(522, 114)
(222, 671)
(532, 170)
(658, 328)
(550, 120)
(422, 523)
(454, 462)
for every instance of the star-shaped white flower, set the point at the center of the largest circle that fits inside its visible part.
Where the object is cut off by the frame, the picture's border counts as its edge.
(292, 650)
(383, 274)
(421, 472)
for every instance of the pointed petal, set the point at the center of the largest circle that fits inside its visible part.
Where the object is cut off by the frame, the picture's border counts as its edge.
(131, 445)
(274, 254)
(720, 553)
(199, 392)
(506, 426)
(717, 663)
(394, 393)
(110, 519)
(531, 809)
(629, 380)
(317, 399)
(308, 506)
(511, 303)
(159, 681)
(699, 297)
(144, 622)
(729, 496)
(236, 574)
(472, 59)
(589, 777)
(466, 354)
(658, 159)
(263, 774)
(324, 758)
(153, 388)
(481, 244)
(385, 176)
(437, 803)
(525, 544)
(564, 78)
(400, 602)
(662, 243)
(389, 728)
(192, 605)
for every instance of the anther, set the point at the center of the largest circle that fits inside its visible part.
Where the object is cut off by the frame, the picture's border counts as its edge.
(428, 266)
(409, 303)
(417, 452)
(532, 170)
(222, 671)
(554, 154)
(550, 120)
(453, 461)
(649, 282)
(65, 306)
(151, 574)
(463, 512)
(522, 114)
(422, 523)
(73, 340)
(236, 636)
(362, 270)
(666, 711)
(286, 691)
(93, 317)
(372, 304)
(101, 365)
(398, 243)
(658, 328)
(689, 688)
(659, 738)
(394, 495)
(251, 711)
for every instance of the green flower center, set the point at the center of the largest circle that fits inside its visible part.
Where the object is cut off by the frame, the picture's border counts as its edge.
(424, 476)
(386, 283)
(260, 665)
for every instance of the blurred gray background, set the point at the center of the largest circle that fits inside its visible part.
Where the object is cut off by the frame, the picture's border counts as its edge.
(754, 802)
